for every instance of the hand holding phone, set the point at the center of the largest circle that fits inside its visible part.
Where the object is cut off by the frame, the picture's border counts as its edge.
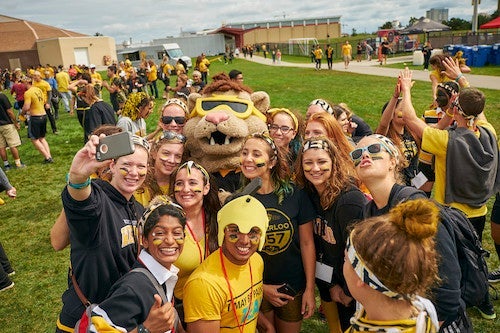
(114, 146)
(288, 290)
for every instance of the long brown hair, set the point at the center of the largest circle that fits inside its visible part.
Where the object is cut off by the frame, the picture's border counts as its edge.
(341, 174)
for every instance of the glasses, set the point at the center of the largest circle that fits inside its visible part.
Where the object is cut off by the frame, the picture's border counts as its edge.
(168, 119)
(241, 108)
(234, 233)
(169, 135)
(274, 128)
(373, 149)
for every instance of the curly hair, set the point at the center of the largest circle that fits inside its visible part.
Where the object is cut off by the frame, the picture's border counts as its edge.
(341, 172)
(399, 247)
(133, 104)
(222, 83)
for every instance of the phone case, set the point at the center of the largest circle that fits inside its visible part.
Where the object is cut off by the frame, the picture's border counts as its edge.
(114, 146)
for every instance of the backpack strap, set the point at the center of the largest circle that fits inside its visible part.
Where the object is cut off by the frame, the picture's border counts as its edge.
(159, 289)
(407, 193)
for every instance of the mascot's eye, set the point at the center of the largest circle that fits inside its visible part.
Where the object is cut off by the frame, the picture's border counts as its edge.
(235, 106)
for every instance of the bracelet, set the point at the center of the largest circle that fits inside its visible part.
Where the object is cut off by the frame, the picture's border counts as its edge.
(448, 114)
(77, 186)
(142, 329)
(459, 77)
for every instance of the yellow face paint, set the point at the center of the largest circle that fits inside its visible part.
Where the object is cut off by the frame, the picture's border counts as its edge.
(324, 168)
(197, 190)
(260, 162)
(177, 188)
(157, 241)
(179, 241)
(307, 168)
(142, 173)
(123, 171)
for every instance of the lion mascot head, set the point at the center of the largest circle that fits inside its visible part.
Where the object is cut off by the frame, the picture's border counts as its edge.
(219, 122)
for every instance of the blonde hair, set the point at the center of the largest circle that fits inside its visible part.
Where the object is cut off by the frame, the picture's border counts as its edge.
(399, 248)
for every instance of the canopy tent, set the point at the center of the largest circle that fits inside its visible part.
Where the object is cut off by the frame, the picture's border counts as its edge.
(495, 23)
(424, 25)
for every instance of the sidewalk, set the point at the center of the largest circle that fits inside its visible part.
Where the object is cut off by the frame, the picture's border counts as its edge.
(373, 68)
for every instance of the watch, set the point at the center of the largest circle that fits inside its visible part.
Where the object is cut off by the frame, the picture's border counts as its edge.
(142, 329)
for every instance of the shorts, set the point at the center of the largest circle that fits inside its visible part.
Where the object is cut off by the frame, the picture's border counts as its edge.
(495, 211)
(9, 137)
(37, 127)
(347, 58)
(290, 312)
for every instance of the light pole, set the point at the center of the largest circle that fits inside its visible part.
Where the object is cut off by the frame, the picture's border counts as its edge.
(474, 15)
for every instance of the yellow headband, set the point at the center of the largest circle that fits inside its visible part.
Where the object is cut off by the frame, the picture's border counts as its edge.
(274, 111)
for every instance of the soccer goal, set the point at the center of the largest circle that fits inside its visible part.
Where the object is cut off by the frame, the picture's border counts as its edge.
(301, 46)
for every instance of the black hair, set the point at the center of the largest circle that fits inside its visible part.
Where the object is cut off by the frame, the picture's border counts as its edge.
(163, 210)
(234, 73)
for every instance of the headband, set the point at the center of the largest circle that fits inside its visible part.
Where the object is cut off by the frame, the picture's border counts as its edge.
(315, 144)
(137, 140)
(366, 275)
(264, 136)
(274, 111)
(190, 164)
(178, 102)
(388, 144)
(448, 88)
(158, 201)
(323, 104)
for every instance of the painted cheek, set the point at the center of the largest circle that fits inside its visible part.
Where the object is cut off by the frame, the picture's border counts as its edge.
(233, 238)
(177, 188)
(377, 156)
(142, 173)
(260, 161)
(179, 240)
(197, 190)
(124, 171)
(157, 241)
(307, 168)
(324, 168)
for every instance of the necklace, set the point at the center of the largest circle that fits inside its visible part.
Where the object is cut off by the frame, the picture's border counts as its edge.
(241, 328)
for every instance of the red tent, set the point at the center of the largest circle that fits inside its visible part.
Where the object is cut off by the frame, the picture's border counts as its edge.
(495, 23)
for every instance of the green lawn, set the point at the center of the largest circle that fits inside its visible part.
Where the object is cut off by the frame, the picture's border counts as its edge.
(492, 70)
(33, 304)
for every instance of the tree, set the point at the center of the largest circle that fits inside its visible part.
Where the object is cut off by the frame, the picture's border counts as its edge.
(456, 23)
(386, 25)
(412, 20)
(98, 34)
(483, 18)
(354, 32)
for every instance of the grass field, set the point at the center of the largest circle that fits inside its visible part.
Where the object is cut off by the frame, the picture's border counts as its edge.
(33, 304)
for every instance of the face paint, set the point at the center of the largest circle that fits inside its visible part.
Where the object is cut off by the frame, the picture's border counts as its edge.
(123, 171)
(141, 171)
(197, 190)
(157, 241)
(324, 168)
(234, 234)
(307, 168)
(179, 240)
(177, 188)
(260, 162)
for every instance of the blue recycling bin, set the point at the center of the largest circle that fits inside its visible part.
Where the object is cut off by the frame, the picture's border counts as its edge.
(494, 58)
(468, 54)
(480, 55)
(451, 49)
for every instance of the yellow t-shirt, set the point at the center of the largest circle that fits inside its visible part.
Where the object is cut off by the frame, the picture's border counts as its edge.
(35, 96)
(144, 197)
(191, 257)
(435, 141)
(318, 53)
(207, 296)
(45, 87)
(204, 65)
(346, 50)
(153, 74)
(96, 77)
(63, 80)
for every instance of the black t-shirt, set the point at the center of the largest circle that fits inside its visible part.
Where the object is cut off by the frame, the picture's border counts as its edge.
(281, 252)
(4, 106)
(100, 113)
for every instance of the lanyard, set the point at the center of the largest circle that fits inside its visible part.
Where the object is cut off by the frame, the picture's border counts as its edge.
(241, 328)
(200, 252)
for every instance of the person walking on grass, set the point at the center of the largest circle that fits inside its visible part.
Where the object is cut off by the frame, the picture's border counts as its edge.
(37, 123)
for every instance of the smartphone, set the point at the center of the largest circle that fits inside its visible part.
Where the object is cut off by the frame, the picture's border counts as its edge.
(114, 146)
(287, 289)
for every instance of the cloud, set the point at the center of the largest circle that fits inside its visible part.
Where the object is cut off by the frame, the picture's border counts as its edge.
(150, 19)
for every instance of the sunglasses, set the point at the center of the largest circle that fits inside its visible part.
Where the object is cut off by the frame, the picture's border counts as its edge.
(168, 119)
(241, 108)
(169, 135)
(373, 149)
(283, 129)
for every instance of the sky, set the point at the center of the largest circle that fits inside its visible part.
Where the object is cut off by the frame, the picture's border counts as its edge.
(145, 20)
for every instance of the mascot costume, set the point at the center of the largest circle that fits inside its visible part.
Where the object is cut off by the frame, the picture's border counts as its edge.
(220, 120)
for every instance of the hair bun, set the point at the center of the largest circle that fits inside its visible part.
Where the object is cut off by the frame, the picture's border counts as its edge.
(419, 218)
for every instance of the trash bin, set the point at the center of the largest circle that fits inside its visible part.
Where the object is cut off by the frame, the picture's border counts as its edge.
(467, 54)
(451, 49)
(418, 58)
(480, 55)
(494, 58)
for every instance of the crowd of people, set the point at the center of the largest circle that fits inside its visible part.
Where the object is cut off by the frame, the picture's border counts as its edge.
(154, 247)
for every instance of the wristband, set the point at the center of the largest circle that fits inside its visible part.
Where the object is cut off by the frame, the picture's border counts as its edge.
(142, 329)
(448, 114)
(459, 77)
(77, 186)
